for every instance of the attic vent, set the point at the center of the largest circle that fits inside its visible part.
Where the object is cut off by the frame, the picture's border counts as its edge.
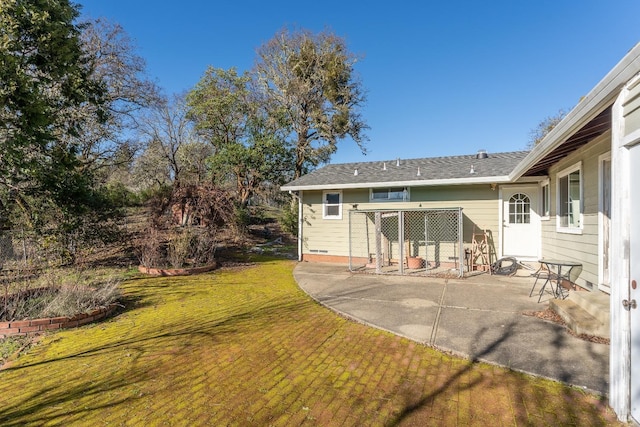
(482, 154)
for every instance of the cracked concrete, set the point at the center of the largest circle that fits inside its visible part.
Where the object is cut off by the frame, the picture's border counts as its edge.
(479, 318)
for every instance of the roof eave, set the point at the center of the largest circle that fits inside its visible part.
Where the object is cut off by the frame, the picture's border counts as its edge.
(599, 98)
(414, 183)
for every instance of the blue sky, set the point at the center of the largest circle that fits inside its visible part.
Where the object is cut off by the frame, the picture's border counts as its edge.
(442, 77)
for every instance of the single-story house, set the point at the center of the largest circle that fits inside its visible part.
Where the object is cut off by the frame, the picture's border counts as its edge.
(333, 198)
(570, 197)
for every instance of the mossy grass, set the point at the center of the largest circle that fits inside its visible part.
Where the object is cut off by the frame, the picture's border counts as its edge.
(11, 346)
(245, 346)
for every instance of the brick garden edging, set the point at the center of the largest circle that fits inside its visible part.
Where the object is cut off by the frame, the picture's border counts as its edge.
(35, 326)
(177, 271)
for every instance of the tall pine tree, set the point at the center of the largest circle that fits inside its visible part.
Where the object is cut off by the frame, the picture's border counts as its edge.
(43, 74)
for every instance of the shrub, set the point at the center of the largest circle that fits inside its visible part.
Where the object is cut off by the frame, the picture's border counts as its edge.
(117, 194)
(190, 218)
(205, 247)
(289, 219)
(11, 345)
(68, 301)
(149, 248)
(242, 218)
(59, 292)
(180, 247)
(184, 245)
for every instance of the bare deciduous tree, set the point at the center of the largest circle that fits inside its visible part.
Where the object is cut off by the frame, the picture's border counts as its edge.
(104, 140)
(544, 127)
(168, 133)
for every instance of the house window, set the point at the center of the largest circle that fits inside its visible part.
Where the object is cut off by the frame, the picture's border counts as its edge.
(546, 199)
(519, 209)
(389, 194)
(332, 205)
(570, 199)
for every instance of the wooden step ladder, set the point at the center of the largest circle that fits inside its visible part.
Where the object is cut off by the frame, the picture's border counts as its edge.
(480, 255)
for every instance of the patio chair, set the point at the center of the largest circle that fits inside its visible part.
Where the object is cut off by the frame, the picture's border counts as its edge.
(543, 274)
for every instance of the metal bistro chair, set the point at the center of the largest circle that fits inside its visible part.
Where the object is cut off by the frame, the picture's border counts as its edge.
(543, 274)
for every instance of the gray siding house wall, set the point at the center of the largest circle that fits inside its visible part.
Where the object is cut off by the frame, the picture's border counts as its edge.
(583, 246)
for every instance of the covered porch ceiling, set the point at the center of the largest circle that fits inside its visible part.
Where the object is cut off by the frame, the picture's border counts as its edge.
(596, 127)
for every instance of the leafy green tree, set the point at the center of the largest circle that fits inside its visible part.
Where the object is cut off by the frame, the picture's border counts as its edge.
(43, 74)
(313, 92)
(220, 105)
(231, 115)
(262, 159)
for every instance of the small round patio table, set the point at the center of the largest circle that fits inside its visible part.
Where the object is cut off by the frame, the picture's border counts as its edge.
(558, 271)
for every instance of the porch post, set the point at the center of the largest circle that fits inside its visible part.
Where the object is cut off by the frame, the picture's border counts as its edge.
(300, 225)
(378, 227)
(401, 240)
(461, 254)
(620, 345)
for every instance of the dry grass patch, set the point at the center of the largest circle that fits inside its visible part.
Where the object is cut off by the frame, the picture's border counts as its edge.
(247, 347)
(57, 292)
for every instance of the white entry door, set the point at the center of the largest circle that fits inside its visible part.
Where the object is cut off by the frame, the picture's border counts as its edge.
(520, 222)
(634, 286)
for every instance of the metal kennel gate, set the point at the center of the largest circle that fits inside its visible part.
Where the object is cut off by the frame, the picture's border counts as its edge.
(409, 241)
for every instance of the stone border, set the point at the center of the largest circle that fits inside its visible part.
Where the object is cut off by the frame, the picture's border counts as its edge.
(176, 271)
(36, 326)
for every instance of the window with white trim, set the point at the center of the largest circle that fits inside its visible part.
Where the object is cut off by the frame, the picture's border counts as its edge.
(545, 202)
(569, 208)
(519, 209)
(396, 194)
(332, 205)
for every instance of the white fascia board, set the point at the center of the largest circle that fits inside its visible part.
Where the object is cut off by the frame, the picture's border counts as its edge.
(600, 97)
(420, 183)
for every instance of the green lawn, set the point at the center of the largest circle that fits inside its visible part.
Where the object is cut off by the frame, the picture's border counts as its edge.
(247, 347)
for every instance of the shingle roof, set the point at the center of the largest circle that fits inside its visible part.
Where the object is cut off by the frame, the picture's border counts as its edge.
(432, 171)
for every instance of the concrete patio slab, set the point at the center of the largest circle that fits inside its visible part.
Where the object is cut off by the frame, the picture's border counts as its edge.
(480, 318)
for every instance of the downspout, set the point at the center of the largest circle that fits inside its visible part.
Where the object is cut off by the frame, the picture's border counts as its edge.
(299, 197)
